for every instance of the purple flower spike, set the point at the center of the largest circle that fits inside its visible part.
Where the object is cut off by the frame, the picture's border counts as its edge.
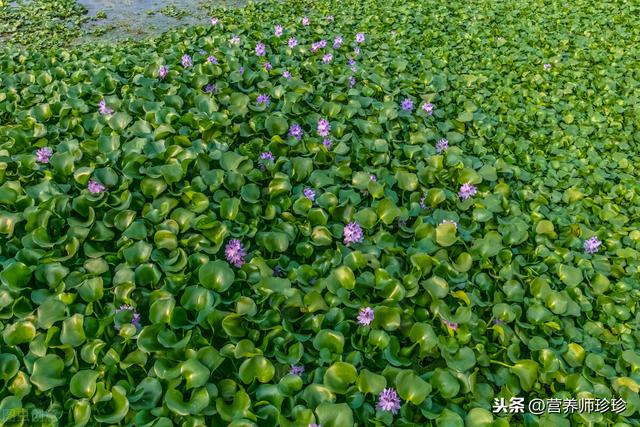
(373, 178)
(309, 194)
(296, 370)
(186, 61)
(263, 99)
(267, 155)
(366, 316)
(422, 201)
(212, 59)
(261, 50)
(214, 21)
(209, 88)
(442, 145)
(43, 154)
(241, 70)
(337, 42)
(286, 74)
(428, 108)
(293, 42)
(592, 245)
(102, 107)
(322, 44)
(235, 253)
(278, 30)
(296, 131)
(305, 21)
(235, 40)
(467, 191)
(546, 67)
(135, 320)
(327, 58)
(389, 401)
(353, 234)
(324, 127)
(135, 317)
(95, 187)
(162, 72)
(356, 51)
(327, 143)
(360, 38)
(451, 325)
(407, 104)
(267, 66)
(352, 81)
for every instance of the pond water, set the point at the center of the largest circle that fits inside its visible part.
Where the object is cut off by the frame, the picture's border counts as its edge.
(143, 18)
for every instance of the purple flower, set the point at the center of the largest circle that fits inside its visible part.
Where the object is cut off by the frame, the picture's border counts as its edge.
(366, 316)
(267, 66)
(135, 316)
(442, 145)
(389, 401)
(293, 42)
(162, 72)
(498, 322)
(202, 51)
(314, 425)
(327, 58)
(212, 59)
(315, 47)
(466, 191)
(324, 127)
(322, 44)
(352, 62)
(241, 70)
(296, 131)
(102, 107)
(309, 194)
(330, 18)
(235, 253)
(263, 99)
(235, 40)
(277, 271)
(356, 51)
(214, 21)
(278, 30)
(546, 67)
(337, 42)
(186, 61)
(327, 143)
(260, 49)
(428, 107)
(592, 245)
(209, 88)
(286, 74)
(305, 21)
(353, 234)
(360, 38)
(267, 155)
(422, 201)
(407, 104)
(373, 178)
(451, 325)
(296, 370)
(95, 187)
(352, 81)
(43, 154)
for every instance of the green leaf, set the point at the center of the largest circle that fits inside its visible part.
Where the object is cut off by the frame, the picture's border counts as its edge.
(216, 275)
(339, 376)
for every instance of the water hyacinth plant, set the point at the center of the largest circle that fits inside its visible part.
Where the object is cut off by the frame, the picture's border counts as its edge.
(215, 244)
